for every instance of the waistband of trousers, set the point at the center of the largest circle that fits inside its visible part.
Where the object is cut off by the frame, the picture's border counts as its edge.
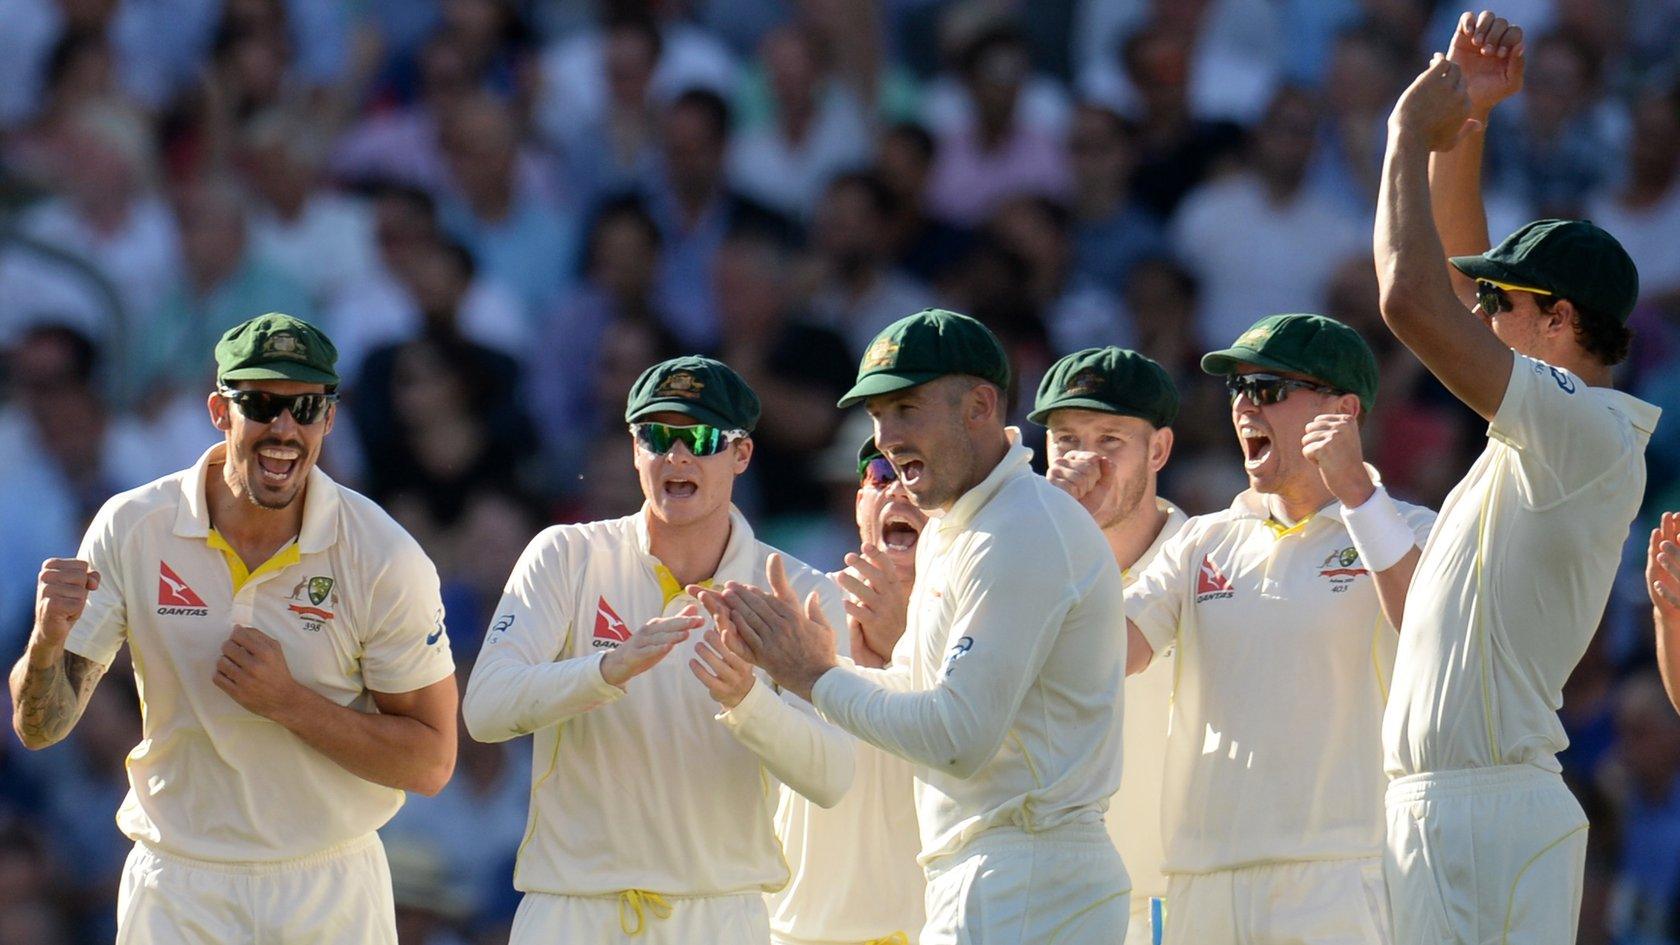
(1433, 784)
(267, 867)
(1077, 835)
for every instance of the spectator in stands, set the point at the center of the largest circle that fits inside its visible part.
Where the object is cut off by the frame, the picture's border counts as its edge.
(390, 304)
(1259, 240)
(319, 237)
(1643, 210)
(819, 126)
(503, 208)
(616, 148)
(615, 293)
(798, 369)
(404, 145)
(1366, 74)
(1076, 310)
(223, 281)
(852, 284)
(1112, 231)
(1000, 155)
(694, 207)
(921, 244)
(1645, 905)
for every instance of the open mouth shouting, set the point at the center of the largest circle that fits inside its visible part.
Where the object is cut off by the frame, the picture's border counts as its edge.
(679, 487)
(909, 471)
(899, 531)
(1257, 447)
(278, 463)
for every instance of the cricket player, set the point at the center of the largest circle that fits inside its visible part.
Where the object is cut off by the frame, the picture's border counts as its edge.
(289, 650)
(855, 877)
(1282, 611)
(1662, 580)
(653, 743)
(1108, 414)
(1485, 843)
(1009, 698)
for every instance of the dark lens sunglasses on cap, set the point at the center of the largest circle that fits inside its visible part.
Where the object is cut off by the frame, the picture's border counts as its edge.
(702, 439)
(1263, 390)
(263, 406)
(1493, 297)
(877, 472)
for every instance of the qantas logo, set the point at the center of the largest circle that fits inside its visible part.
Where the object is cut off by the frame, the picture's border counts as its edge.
(1211, 583)
(175, 598)
(610, 630)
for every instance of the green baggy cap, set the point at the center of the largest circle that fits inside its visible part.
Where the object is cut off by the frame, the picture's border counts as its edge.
(1319, 347)
(926, 346)
(276, 347)
(867, 452)
(1572, 259)
(1112, 380)
(703, 388)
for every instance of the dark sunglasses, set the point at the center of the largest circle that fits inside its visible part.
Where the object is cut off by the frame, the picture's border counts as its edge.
(261, 406)
(1263, 390)
(877, 472)
(702, 439)
(1492, 298)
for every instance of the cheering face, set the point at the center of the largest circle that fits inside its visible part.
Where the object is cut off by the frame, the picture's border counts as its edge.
(1270, 433)
(887, 518)
(268, 463)
(922, 430)
(680, 487)
(1131, 445)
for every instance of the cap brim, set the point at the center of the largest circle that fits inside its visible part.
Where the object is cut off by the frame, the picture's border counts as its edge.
(280, 371)
(1042, 414)
(687, 408)
(1225, 361)
(885, 383)
(1481, 267)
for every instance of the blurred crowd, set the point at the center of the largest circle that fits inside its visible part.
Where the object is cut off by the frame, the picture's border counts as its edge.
(502, 210)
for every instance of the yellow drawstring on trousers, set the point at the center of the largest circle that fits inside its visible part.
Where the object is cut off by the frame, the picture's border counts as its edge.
(633, 902)
(897, 938)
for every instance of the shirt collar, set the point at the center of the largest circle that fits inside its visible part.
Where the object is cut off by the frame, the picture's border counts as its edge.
(320, 504)
(1253, 505)
(1641, 415)
(968, 505)
(739, 562)
(1175, 520)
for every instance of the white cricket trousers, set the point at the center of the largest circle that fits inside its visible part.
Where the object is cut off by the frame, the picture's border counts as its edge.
(635, 917)
(340, 896)
(1065, 886)
(1312, 902)
(1485, 856)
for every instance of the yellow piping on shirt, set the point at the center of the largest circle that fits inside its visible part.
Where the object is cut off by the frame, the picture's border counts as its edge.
(1511, 901)
(1376, 659)
(635, 900)
(553, 765)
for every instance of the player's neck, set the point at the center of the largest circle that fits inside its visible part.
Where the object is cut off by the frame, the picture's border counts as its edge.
(1132, 536)
(254, 533)
(1296, 503)
(692, 551)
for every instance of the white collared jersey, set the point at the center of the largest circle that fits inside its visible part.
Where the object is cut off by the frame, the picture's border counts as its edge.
(1134, 816)
(1514, 580)
(855, 877)
(1011, 700)
(647, 787)
(1282, 659)
(356, 609)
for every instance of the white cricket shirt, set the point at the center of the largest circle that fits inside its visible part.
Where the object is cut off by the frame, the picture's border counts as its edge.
(1514, 580)
(1282, 656)
(354, 604)
(855, 876)
(647, 787)
(1010, 705)
(1134, 815)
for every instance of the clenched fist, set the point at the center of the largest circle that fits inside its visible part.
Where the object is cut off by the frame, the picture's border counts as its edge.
(60, 595)
(1435, 108)
(1331, 443)
(1087, 476)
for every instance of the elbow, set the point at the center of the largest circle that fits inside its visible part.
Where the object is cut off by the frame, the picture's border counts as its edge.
(32, 740)
(434, 778)
(967, 760)
(1399, 306)
(482, 725)
(835, 787)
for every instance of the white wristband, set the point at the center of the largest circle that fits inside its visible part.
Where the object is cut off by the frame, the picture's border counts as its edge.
(1379, 532)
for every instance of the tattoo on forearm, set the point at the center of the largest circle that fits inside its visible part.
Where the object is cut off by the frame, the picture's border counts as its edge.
(51, 699)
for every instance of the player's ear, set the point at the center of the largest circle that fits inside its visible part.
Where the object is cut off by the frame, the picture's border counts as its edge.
(743, 454)
(1160, 448)
(218, 407)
